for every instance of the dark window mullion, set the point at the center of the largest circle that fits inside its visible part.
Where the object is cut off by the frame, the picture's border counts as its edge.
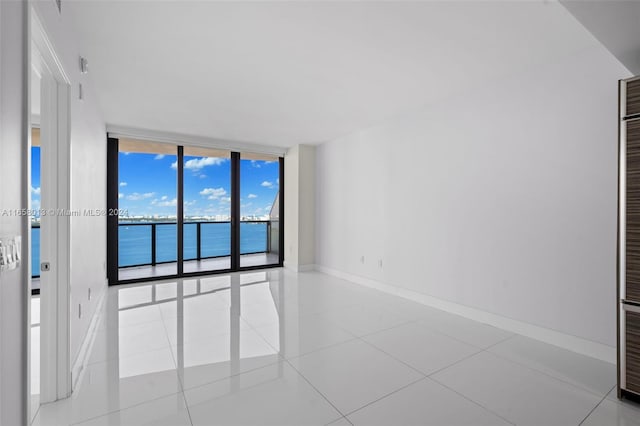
(180, 210)
(235, 211)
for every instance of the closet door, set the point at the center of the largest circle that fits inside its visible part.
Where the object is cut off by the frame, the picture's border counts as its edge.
(632, 258)
(629, 240)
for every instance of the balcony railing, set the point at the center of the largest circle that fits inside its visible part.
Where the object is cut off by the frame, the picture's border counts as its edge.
(142, 244)
(155, 243)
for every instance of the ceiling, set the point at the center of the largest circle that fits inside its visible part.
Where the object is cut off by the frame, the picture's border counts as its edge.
(283, 73)
(615, 23)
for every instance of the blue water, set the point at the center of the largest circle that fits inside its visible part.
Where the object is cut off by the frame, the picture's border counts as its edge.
(35, 252)
(134, 242)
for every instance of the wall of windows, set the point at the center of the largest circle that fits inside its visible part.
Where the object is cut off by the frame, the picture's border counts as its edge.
(183, 211)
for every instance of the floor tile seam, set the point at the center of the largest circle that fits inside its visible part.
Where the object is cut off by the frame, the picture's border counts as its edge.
(394, 357)
(306, 379)
(136, 353)
(175, 362)
(379, 330)
(126, 408)
(36, 414)
(351, 339)
(592, 410)
(413, 382)
(186, 405)
(472, 401)
(421, 321)
(243, 389)
(187, 389)
(385, 329)
(545, 373)
(454, 363)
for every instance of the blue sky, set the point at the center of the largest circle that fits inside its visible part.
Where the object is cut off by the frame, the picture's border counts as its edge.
(147, 185)
(35, 177)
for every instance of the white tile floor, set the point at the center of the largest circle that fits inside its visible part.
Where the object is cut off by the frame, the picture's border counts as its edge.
(281, 348)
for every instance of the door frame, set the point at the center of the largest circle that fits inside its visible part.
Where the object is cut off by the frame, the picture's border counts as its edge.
(55, 115)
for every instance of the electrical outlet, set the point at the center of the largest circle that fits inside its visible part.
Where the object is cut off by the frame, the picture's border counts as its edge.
(362, 259)
(380, 263)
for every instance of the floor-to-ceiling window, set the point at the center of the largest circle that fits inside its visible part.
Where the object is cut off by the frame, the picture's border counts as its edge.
(184, 211)
(207, 210)
(259, 210)
(147, 218)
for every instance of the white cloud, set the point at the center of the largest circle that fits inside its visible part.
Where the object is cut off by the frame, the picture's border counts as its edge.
(167, 203)
(252, 196)
(255, 164)
(35, 191)
(213, 193)
(159, 157)
(196, 164)
(123, 183)
(164, 197)
(136, 196)
(225, 200)
(120, 195)
(246, 205)
(267, 184)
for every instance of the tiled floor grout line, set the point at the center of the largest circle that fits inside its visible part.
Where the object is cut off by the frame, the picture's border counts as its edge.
(594, 408)
(386, 396)
(186, 405)
(472, 401)
(393, 357)
(528, 367)
(122, 409)
(175, 362)
(315, 388)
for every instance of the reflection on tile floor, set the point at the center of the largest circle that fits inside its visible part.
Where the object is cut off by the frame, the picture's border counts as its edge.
(276, 347)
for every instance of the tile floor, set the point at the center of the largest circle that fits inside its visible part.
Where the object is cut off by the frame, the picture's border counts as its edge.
(281, 348)
(190, 266)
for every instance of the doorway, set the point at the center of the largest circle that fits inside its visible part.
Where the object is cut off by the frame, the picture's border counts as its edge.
(48, 152)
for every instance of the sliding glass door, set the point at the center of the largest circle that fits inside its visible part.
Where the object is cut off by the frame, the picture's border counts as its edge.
(259, 210)
(179, 211)
(207, 210)
(147, 218)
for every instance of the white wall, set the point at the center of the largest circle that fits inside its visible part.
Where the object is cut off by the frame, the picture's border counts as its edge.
(502, 198)
(299, 207)
(13, 132)
(88, 175)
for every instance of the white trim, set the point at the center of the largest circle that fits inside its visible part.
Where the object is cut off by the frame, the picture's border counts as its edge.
(55, 119)
(115, 131)
(576, 344)
(87, 343)
(298, 268)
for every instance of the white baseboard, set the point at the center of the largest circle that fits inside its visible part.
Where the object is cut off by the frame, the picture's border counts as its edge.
(87, 343)
(576, 344)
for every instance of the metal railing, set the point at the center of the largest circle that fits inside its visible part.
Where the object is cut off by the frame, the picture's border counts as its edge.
(153, 240)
